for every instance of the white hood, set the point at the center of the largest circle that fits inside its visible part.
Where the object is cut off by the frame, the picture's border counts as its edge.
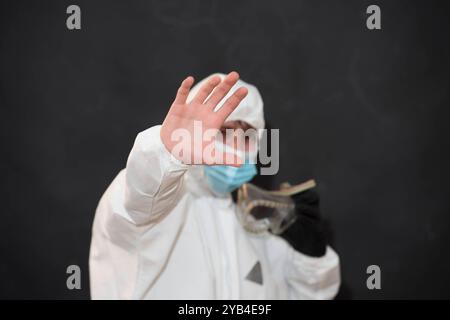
(249, 110)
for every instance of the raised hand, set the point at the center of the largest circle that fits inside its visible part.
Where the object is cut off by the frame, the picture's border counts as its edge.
(189, 129)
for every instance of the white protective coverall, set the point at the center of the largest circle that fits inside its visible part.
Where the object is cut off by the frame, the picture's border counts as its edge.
(161, 233)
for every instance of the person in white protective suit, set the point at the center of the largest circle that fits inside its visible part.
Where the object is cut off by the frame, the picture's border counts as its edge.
(161, 230)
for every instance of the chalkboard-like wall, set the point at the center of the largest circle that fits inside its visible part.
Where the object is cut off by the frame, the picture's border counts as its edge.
(364, 112)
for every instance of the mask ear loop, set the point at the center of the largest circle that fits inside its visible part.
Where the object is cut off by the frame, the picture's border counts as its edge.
(224, 149)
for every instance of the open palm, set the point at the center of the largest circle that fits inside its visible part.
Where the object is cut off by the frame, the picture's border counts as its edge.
(199, 121)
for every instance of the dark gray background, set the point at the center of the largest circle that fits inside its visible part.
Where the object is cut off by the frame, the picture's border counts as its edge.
(365, 113)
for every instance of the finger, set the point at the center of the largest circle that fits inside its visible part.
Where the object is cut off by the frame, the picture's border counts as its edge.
(233, 160)
(183, 90)
(221, 157)
(206, 89)
(222, 89)
(232, 103)
(228, 159)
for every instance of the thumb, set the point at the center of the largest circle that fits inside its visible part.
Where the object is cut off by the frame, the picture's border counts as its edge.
(231, 159)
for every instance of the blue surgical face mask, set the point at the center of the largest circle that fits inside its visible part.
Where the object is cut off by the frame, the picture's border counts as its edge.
(225, 179)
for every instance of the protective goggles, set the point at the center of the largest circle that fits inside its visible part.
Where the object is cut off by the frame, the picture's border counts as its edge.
(261, 210)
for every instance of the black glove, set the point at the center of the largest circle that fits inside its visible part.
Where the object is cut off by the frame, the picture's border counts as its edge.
(307, 235)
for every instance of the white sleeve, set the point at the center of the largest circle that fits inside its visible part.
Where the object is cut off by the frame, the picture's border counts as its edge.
(312, 277)
(153, 180)
(138, 203)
